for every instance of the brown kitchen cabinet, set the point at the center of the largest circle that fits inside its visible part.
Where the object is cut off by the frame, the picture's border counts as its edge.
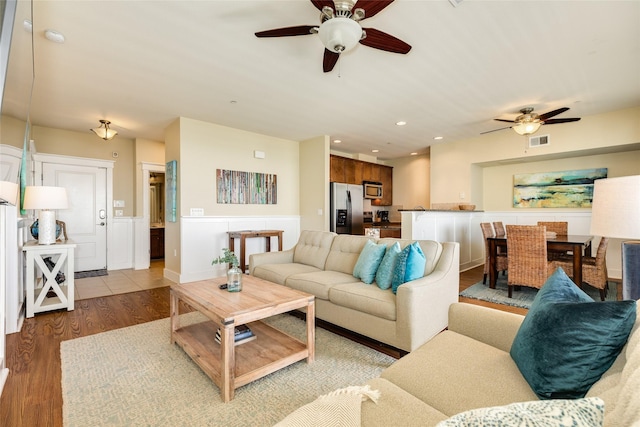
(156, 246)
(390, 232)
(351, 171)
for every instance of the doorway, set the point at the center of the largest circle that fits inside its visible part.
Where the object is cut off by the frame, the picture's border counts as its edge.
(156, 215)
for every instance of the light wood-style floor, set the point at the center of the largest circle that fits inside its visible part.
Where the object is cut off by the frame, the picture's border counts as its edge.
(32, 395)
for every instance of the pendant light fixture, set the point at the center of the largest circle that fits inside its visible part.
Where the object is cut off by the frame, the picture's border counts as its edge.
(103, 131)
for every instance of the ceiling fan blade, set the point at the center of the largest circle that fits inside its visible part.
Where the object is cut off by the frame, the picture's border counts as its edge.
(300, 30)
(504, 120)
(556, 121)
(319, 4)
(330, 60)
(495, 130)
(372, 7)
(550, 114)
(383, 41)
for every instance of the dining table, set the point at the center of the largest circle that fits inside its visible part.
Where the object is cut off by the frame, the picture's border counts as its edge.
(578, 244)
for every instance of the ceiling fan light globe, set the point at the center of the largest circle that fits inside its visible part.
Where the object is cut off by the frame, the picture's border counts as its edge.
(340, 34)
(527, 128)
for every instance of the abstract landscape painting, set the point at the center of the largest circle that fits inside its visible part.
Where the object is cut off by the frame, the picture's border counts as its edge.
(566, 189)
(246, 187)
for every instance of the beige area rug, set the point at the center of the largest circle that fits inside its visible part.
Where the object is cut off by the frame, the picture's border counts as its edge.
(134, 377)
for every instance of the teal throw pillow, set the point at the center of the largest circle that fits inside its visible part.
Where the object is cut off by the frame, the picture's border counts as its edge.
(368, 261)
(387, 266)
(567, 341)
(410, 266)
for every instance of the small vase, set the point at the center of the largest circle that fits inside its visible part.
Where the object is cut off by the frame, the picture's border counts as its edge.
(234, 279)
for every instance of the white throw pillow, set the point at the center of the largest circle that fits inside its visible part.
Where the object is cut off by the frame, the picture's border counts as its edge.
(587, 412)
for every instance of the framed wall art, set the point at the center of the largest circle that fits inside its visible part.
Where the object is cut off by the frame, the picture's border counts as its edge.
(171, 190)
(246, 187)
(566, 189)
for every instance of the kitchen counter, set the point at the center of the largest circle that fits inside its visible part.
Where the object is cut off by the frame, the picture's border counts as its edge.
(435, 210)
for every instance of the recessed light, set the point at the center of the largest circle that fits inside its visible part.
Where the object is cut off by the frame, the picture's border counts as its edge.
(401, 123)
(337, 141)
(375, 151)
(233, 101)
(437, 138)
(414, 154)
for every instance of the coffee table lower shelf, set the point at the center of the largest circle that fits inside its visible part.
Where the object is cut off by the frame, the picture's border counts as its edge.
(270, 351)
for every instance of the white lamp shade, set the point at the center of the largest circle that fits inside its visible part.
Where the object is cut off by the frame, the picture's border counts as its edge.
(527, 128)
(615, 211)
(9, 192)
(43, 197)
(340, 34)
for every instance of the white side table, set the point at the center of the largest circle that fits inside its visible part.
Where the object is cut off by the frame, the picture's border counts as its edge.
(43, 292)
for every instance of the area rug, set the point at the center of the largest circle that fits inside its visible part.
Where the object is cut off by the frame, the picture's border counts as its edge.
(135, 377)
(524, 297)
(90, 273)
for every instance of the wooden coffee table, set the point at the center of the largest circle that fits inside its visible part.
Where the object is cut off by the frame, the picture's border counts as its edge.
(230, 366)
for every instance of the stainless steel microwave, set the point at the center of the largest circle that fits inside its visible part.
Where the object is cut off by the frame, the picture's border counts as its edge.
(372, 190)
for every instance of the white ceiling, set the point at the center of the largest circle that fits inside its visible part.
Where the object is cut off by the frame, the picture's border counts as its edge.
(142, 64)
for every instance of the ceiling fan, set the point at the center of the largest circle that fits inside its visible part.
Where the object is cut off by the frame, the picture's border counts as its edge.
(528, 122)
(340, 30)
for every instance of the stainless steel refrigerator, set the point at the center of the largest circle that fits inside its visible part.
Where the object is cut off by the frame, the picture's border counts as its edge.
(346, 208)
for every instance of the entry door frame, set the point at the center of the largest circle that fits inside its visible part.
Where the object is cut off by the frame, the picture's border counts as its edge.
(143, 255)
(40, 158)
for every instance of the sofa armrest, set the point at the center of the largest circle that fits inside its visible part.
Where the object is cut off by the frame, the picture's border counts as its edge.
(422, 305)
(490, 326)
(281, 257)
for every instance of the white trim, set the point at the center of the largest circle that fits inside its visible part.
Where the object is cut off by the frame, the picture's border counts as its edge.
(142, 233)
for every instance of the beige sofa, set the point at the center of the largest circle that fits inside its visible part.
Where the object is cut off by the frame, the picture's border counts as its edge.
(468, 366)
(322, 263)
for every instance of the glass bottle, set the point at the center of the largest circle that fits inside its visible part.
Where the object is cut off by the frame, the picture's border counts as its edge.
(234, 279)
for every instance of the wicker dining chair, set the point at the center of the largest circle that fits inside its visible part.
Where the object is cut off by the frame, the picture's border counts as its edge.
(560, 228)
(499, 227)
(501, 259)
(528, 264)
(594, 269)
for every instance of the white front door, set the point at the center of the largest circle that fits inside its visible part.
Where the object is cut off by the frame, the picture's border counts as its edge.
(86, 218)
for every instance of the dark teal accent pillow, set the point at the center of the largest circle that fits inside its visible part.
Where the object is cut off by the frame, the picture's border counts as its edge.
(368, 261)
(567, 341)
(387, 266)
(410, 266)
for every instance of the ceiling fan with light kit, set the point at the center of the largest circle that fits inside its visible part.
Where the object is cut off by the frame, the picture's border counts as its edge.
(528, 122)
(340, 30)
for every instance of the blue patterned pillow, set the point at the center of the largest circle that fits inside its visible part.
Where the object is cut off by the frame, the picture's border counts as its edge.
(567, 341)
(548, 413)
(368, 261)
(410, 266)
(386, 267)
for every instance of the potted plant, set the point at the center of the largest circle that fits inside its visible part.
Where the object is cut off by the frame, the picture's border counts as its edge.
(234, 274)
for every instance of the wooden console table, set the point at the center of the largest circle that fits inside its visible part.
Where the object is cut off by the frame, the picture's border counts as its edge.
(246, 234)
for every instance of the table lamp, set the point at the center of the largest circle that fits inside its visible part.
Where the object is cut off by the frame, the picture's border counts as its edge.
(8, 192)
(615, 213)
(46, 199)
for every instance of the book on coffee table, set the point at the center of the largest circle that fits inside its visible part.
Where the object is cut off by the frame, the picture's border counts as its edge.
(242, 335)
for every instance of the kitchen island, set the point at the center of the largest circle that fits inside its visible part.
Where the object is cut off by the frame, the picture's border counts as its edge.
(447, 226)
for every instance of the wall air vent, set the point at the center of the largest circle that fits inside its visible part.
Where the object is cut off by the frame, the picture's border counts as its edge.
(539, 141)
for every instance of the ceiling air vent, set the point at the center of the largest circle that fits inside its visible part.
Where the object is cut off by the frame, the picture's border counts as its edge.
(538, 141)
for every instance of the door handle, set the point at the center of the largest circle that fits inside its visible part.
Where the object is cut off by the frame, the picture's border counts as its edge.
(102, 223)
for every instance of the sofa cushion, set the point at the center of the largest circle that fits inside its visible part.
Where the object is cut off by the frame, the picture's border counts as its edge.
(313, 247)
(548, 413)
(367, 299)
(409, 266)
(368, 262)
(344, 253)
(318, 283)
(455, 373)
(567, 341)
(387, 266)
(278, 273)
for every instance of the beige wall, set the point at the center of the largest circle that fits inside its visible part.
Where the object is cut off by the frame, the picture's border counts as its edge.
(12, 131)
(205, 147)
(411, 181)
(463, 166)
(314, 179)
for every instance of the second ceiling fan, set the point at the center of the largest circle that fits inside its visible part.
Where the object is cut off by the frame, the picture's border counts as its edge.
(529, 122)
(340, 29)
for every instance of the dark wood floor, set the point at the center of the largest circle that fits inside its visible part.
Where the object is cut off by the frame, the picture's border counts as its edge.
(32, 395)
